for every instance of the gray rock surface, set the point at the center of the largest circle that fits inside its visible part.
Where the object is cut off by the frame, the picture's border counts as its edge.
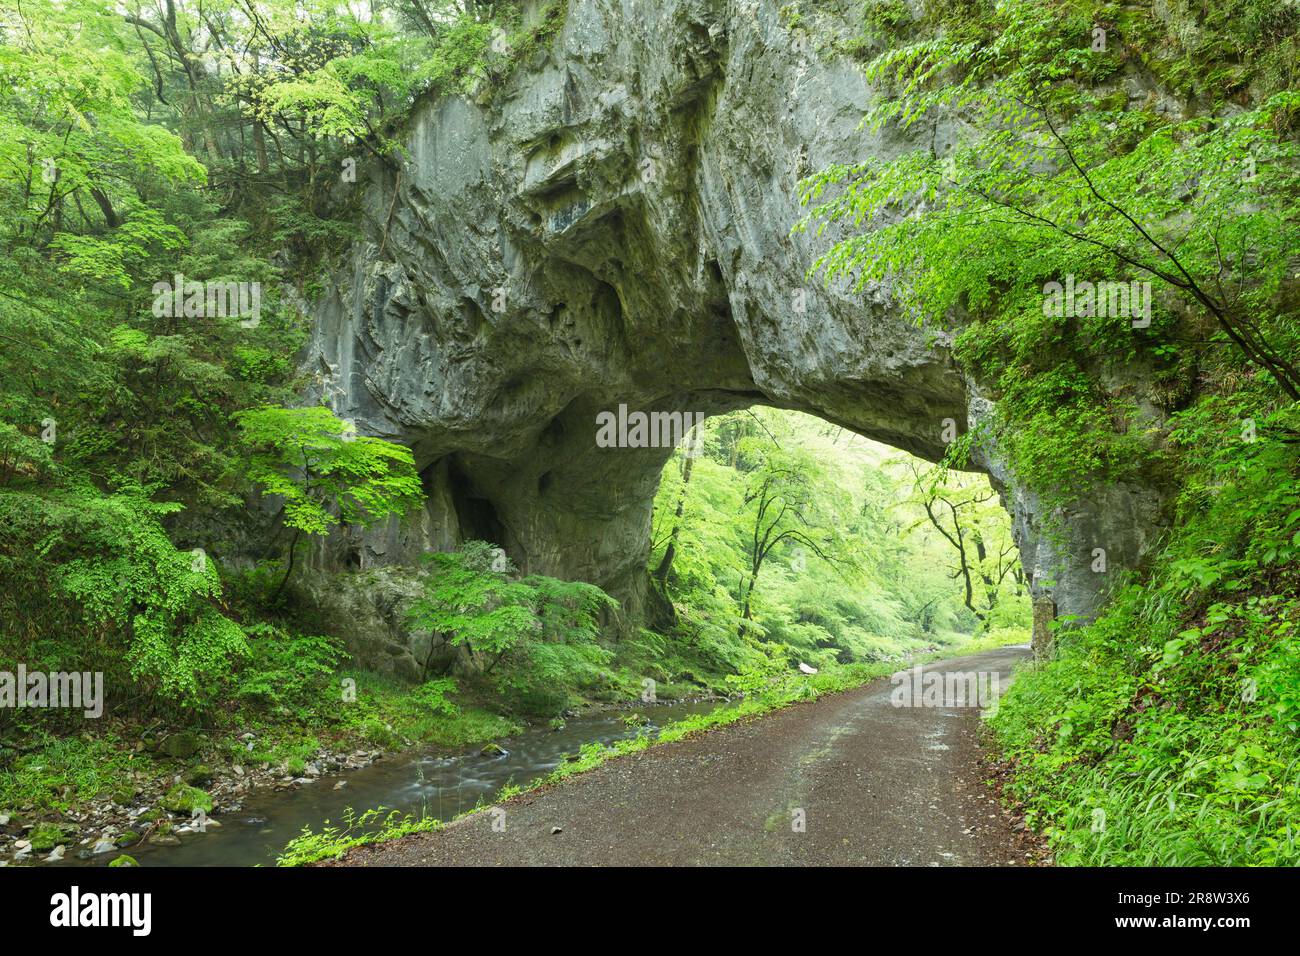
(614, 227)
(368, 610)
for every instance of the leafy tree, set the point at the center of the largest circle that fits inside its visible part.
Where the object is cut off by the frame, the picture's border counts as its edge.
(538, 630)
(878, 586)
(325, 473)
(1056, 174)
(94, 582)
(789, 502)
(141, 140)
(968, 516)
(687, 460)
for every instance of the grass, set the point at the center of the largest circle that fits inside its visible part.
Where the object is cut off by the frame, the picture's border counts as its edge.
(56, 773)
(991, 641)
(64, 771)
(391, 713)
(1122, 766)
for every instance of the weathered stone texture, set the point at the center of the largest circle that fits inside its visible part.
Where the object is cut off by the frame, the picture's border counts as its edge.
(615, 227)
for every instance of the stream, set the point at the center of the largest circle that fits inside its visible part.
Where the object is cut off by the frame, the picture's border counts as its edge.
(415, 781)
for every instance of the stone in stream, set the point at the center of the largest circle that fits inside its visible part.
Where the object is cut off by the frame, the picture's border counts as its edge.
(494, 750)
(186, 799)
(46, 836)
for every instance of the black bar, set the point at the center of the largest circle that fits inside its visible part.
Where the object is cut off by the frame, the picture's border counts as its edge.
(939, 905)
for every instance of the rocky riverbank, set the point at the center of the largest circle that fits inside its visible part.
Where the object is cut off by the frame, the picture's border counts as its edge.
(184, 782)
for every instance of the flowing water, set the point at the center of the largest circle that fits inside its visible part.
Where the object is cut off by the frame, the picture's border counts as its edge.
(415, 782)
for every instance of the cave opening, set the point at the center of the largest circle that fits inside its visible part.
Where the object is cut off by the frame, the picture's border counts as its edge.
(779, 530)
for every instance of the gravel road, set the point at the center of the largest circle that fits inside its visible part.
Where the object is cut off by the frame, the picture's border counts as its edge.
(849, 779)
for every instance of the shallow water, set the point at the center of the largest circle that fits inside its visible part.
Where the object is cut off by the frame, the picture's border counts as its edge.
(415, 782)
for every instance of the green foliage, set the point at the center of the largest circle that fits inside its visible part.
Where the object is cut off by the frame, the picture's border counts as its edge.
(1175, 714)
(186, 799)
(394, 712)
(1057, 177)
(56, 771)
(323, 471)
(850, 570)
(46, 836)
(968, 515)
(1164, 732)
(286, 672)
(537, 634)
(108, 573)
(432, 696)
(356, 830)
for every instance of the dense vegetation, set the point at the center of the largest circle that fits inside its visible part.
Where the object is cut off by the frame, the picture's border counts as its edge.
(147, 429)
(1165, 732)
(150, 427)
(785, 535)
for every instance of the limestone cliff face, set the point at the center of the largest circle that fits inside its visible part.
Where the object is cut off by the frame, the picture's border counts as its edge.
(614, 228)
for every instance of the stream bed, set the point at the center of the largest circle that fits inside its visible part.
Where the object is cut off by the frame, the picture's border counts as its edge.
(416, 781)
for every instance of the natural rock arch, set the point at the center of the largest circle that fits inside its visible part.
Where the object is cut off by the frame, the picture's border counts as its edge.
(614, 227)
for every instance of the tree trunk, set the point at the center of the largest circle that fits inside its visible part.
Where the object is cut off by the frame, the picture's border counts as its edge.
(670, 552)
